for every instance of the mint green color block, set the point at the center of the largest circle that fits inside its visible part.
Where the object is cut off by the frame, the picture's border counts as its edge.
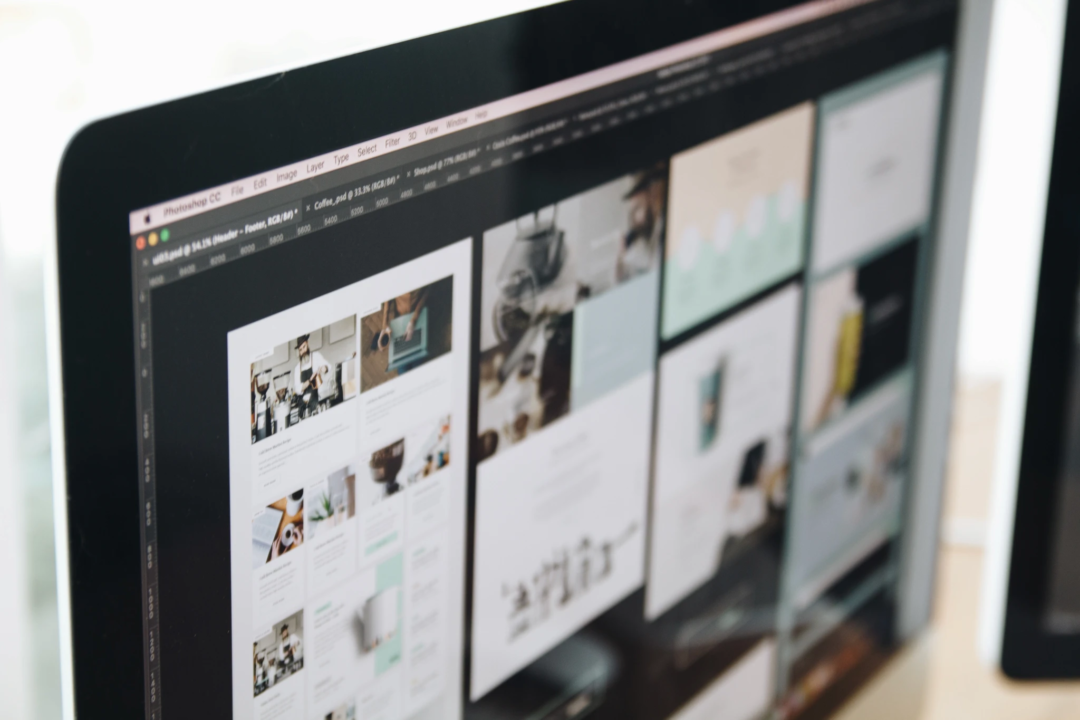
(614, 338)
(389, 574)
(715, 281)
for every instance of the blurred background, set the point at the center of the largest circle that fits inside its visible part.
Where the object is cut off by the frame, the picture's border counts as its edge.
(63, 64)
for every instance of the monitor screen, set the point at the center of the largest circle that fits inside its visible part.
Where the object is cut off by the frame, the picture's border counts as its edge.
(596, 399)
(1062, 612)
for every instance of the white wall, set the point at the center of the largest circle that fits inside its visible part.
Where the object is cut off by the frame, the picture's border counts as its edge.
(1010, 191)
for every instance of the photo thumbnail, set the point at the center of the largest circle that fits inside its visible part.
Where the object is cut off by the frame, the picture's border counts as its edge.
(303, 377)
(279, 653)
(722, 454)
(344, 711)
(562, 579)
(406, 332)
(710, 386)
(859, 332)
(378, 618)
(568, 305)
(331, 501)
(850, 489)
(278, 528)
(376, 612)
(427, 450)
(407, 461)
(876, 160)
(737, 211)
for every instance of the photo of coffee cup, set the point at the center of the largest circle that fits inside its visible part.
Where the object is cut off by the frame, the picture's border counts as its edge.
(294, 503)
(288, 536)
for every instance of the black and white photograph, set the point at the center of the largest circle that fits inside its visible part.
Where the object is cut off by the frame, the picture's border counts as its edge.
(302, 377)
(279, 653)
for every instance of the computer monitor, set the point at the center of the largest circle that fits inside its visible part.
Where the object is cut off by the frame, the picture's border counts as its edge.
(584, 361)
(1030, 623)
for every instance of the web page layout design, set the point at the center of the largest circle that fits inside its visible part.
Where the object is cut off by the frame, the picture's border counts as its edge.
(350, 440)
(348, 493)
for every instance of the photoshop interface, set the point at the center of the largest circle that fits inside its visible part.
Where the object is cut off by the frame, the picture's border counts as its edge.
(597, 399)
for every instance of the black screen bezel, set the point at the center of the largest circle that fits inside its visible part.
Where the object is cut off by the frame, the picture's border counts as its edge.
(158, 153)
(1029, 650)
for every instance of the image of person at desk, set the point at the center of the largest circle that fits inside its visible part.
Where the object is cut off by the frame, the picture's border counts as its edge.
(408, 305)
(640, 250)
(291, 650)
(309, 380)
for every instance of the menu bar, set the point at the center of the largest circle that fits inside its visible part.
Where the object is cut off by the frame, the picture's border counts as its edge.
(666, 63)
(192, 246)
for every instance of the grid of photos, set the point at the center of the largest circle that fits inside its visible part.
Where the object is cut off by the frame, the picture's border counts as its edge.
(302, 378)
(865, 261)
(569, 311)
(566, 299)
(877, 149)
(730, 330)
(348, 502)
(783, 381)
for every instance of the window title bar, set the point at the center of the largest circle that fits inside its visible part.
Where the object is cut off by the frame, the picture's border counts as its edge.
(668, 61)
